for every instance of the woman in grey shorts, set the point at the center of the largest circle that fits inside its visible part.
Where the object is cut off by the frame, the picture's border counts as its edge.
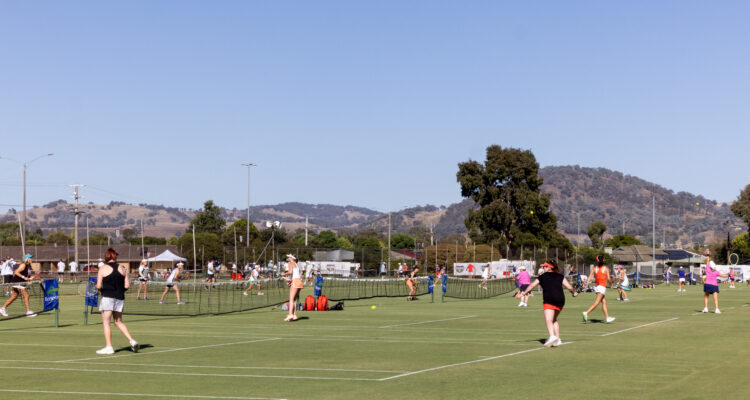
(112, 281)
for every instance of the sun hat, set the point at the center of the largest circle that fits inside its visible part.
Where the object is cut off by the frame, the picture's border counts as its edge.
(291, 256)
(27, 256)
(180, 263)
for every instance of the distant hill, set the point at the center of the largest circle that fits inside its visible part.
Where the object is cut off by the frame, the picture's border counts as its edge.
(623, 202)
(161, 221)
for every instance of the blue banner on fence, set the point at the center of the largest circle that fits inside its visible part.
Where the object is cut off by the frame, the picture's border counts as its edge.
(51, 291)
(92, 295)
(318, 286)
(445, 283)
(430, 284)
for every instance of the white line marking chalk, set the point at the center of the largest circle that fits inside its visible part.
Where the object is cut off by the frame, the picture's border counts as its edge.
(429, 322)
(187, 396)
(639, 326)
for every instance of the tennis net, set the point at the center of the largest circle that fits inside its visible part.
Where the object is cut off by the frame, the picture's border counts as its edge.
(463, 288)
(367, 288)
(200, 298)
(17, 308)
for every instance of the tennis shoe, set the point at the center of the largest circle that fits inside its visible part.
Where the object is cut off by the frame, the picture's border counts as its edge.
(30, 314)
(585, 316)
(180, 302)
(106, 350)
(610, 320)
(137, 298)
(551, 341)
(162, 302)
(705, 310)
(145, 298)
(244, 293)
(626, 300)
(558, 342)
(134, 346)
(3, 312)
(717, 311)
(260, 293)
(520, 304)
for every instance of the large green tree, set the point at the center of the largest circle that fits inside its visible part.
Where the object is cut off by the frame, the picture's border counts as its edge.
(401, 241)
(207, 245)
(208, 220)
(741, 207)
(239, 228)
(621, 240)
(595, 232)
(58, 238)
(507, 190)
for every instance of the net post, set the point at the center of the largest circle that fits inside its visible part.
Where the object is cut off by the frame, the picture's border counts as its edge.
(86, 315)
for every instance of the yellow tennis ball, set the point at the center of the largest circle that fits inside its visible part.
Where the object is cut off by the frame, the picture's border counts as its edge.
(697, 204)
(373, 307)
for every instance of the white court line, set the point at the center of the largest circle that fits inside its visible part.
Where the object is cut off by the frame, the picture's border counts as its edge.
(639, 326)
(429, 322)
(170, 350)
(186, 396)
(464, 363)
(226, 367)
(44, 345)
(108, 371)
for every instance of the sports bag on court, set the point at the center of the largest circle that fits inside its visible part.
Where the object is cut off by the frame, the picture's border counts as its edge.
(322, 303)
(309, 303)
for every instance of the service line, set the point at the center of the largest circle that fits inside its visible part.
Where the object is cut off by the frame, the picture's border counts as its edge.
(429, 322)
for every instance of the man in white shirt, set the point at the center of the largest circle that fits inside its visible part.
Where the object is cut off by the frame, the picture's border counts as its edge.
(60, 271)
(7, 272)
(73, 271)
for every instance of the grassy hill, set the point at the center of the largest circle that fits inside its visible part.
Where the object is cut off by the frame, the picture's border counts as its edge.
(622, 201)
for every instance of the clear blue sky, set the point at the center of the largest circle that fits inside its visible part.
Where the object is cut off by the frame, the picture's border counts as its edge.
(365, 103)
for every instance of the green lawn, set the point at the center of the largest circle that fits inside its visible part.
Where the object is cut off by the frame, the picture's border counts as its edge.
(659, 347)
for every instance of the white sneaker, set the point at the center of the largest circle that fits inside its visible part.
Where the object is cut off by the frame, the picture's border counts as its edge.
(525, 304)
(3, 312)
(134, 346)
(260, 293)
(106, 350)
(244, 293)
(30, 314)
(705, 310)
(585, 316)
(717, 311)
(558, 342)
(520, 304)
(626, 300)
(610, 320)
(551, 341)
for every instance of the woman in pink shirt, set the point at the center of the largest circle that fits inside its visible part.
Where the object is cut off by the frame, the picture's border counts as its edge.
(711, 284)
(523, 282)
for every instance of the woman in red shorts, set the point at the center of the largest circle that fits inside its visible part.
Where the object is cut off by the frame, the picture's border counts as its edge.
(552, 282)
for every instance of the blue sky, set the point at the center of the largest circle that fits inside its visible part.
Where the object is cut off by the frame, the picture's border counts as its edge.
(364, 103)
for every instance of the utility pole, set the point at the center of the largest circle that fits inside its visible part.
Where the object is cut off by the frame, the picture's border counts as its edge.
(305, 231)
(143, 242)
(389, 242)
(248, 165)
(76, 212)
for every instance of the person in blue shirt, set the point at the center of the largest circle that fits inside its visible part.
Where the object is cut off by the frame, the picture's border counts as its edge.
(681, 275)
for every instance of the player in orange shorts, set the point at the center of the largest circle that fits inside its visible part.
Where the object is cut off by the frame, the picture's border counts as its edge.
(294, 277)
(412, 284)
(552, 282)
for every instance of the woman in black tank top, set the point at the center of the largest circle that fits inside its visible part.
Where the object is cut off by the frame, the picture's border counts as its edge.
(21, 275)
(112, 281)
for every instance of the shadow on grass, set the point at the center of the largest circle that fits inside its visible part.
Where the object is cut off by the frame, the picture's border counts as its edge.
(141, 347)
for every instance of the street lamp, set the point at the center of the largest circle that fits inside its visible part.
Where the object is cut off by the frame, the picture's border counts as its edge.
(25, 165)
(247, 238)
(273, 226)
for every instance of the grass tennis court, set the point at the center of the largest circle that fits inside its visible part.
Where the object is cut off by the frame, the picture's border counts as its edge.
(661, 346)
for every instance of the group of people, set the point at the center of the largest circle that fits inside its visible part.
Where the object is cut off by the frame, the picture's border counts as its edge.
(73, 265)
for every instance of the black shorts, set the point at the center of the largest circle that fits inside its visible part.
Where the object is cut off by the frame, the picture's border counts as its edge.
(169, 285)
(142, 280)
(523, 287)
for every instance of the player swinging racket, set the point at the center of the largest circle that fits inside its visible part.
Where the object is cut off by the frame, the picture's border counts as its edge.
(411, 283)
(552, 282)
(21, 275)
(253, 280)
(601, 275)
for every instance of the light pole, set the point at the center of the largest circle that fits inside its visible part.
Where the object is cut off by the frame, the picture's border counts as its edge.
(247, 238)
(25, 165)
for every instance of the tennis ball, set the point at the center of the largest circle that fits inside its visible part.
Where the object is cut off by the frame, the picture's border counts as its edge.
(373, 307)
(532, 213)
(697, 204)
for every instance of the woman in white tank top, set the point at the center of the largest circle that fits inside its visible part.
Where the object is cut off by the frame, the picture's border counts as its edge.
(294, 277)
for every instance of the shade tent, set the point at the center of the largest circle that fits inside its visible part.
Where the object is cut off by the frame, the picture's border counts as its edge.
(165, 260)
(167, 256)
